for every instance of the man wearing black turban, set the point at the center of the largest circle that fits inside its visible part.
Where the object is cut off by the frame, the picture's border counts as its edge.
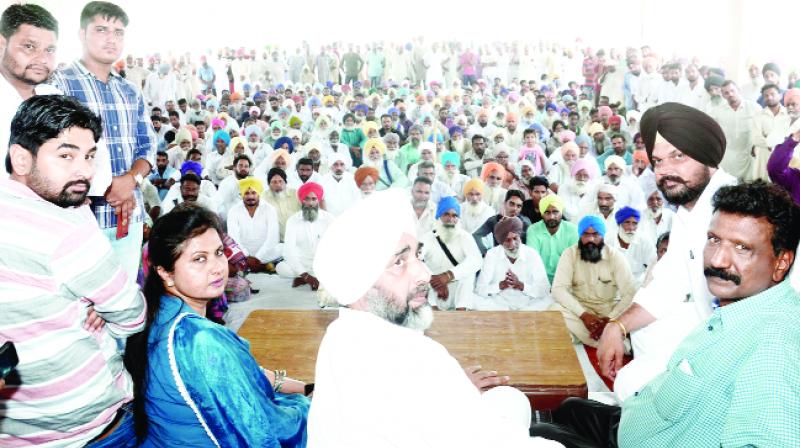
(685, 147)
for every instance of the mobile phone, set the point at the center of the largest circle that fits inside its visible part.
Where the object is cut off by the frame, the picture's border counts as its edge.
(8, 359)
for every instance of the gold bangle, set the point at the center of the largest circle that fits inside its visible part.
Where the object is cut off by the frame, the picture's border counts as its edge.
(621, 327)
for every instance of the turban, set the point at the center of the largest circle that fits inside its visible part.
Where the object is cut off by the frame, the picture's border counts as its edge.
(567, 136)
(771, 67)
(615, 119)
(217, 122)
(539, 130)
(570, 146)
(328, 98)
(582, 164)
(333, 157)
(614, 160)
(278, 154)
(693, 132)
(583, 139)
(279, 143)
(222, 135)
(713, 80)
(183, 135)
(551, 199)
(455, 130)
(633, 115)
(276, 125)
(236, 141)
(250, 182)
(314, 102)
(594, 222)
(791, 94)
(193, 131)
(641, 155)
(255, 109)
(483, 113)
(253, 129)
(374, 143)
(506, 226)
(491, 167)
(625, 213)
(473, 184)
(363, 172)
(295, 120)
(551, 106)
(436, 137)
(447, 203)
(362, 108)
(194, 167)
(585, 104)
(595, 128)
(369, 125)
(608, 188)
(309, 187)
(276, 172)
(452, 157)
(356, 248)
(427, 145)
(604, 111)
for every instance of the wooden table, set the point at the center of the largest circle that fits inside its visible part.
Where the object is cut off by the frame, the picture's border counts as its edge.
(533, 348)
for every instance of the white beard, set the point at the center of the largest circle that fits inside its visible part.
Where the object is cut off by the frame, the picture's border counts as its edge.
(458, 145)
(377, 164)
(511, 253)
(253, 145)
(472, 210)
(624, 236)
(446, 234)
(391, 154)
(581, 187)
(654, 215)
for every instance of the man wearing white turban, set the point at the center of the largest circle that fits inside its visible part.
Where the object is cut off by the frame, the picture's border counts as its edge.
(379, 380)
(339, 185)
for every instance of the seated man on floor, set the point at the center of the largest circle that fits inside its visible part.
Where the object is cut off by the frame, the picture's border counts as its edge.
(375, 368)
(253, 224)
(637, 247)
(551, 236)
(474, 211)
(303, 232)
(593, 283)
(511, 208)
(189, 188)
(733, 381)
(280, 196)
(513, 277)
(453, 258)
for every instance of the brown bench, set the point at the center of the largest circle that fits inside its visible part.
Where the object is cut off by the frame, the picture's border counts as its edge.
(533, 348)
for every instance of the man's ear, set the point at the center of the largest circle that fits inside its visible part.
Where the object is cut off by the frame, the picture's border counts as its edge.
(782, 265)
(22, 160)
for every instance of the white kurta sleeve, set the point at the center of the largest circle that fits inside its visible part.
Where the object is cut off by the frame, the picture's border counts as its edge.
(488, 284)
(235, 230)
(472, 262)
(535, 280)
(271, 249)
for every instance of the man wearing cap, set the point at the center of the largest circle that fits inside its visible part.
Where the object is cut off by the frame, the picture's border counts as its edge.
(375, 367)
(341, 188)
(453, 258)
(281, 197)
(303, 232)
(552, 235)
(253, 224)
(637, 247)
(513, 276)
(474, 211)
(685, 147)
(593, 282)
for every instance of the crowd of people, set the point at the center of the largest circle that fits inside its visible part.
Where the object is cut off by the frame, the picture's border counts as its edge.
(642, 198)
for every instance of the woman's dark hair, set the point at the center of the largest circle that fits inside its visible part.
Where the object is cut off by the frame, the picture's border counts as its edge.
(167, 241)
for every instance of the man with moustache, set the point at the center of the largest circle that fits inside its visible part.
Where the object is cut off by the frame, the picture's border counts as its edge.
(340, 185)
(593, 282)
(552, 235)
(60, 280)
(23, 70)
(303, 232)
(127, 131)
(254, 225)
(637, 248)
(228, 195)
(733, 380)
(453, 258)
(474, 211)
(280, 196)
(685, 147)
(376, 368)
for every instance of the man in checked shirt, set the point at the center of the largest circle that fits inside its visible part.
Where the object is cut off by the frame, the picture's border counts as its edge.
(127, 132)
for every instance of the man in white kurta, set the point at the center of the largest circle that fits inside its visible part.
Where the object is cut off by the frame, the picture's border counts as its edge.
(379, 380)
(513, 277)
(452, 284)
(736, 120)
(253, 223)
(637, 247)
(339, 185)
(677, 299)
(227, 195)
(773, 118)
(474, 211)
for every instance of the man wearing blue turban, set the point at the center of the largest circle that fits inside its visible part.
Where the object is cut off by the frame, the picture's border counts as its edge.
(593, 282)
(637, 247)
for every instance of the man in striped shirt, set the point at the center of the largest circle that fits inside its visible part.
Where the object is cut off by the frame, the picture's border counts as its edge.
(57, 274)
(127, 130)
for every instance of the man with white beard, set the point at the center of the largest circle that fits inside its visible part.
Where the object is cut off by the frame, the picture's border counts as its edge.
(283, 198)
(259, 150)
(340, 186)
(576, 187)
(629, 193)
(656, 219)
(637, 247)
(389, 174)
(474, 211)
(227, 196)
(392, 142)
(254, 225)
(602, 202)
(303, 232)
(453, 258)
(492, 175)
(451, 175)
(513, 276)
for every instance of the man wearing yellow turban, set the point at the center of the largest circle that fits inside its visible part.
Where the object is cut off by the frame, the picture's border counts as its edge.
(552, 235)
(253, 224)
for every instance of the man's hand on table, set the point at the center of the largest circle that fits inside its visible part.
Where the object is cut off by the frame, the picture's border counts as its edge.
(483, 379)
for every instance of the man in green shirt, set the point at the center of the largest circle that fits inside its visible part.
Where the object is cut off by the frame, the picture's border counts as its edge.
(353, 137)
(552, 235)
(353, 64)
(409, 153)
(734, 380)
